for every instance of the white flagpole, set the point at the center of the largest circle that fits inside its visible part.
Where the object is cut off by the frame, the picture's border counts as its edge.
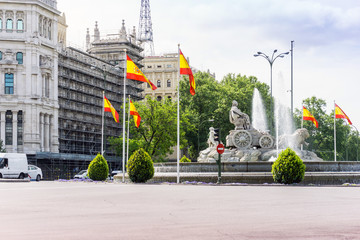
(128, 133)
(102, 125)
(178, 122)
(124, 114)
(334, 134)
(302, 122)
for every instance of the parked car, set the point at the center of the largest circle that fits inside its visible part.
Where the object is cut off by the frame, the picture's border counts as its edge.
(35, 173)
(81, 175)
(113, 173)
(13, 165)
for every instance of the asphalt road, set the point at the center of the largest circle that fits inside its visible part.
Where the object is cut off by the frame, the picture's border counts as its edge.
(66, 211)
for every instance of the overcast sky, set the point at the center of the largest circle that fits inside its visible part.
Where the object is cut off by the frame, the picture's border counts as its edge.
(223, 36)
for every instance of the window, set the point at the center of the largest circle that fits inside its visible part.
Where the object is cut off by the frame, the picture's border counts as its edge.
(0, 56)
(47, 87)
(158, 98)
(20, 25)
(40, 26)
(168, 66)
(49, 31)
(0, 24)
(9, 24)
(158, 83)
(19, 57)
(20, 128)
(168, 83)
(148, 85)
(8, 127)
(148, 66)
(9, 83)
(158, 66)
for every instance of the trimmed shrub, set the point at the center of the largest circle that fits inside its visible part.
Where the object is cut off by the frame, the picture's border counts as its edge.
(140, 167)
(288, 168)
(185, 159)
(98, 169)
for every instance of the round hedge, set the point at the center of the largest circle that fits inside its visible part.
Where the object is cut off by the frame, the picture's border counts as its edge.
(98, 169)
(140, 167)
(288, 168)
(184, 159)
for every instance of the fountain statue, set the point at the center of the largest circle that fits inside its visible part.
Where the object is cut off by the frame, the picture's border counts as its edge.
(245, 143)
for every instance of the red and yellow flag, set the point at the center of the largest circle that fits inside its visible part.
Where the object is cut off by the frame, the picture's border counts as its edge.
(109, 108)
(339, 113)
(134, 73)
(135, 113)
(308, 116)
(186, 70)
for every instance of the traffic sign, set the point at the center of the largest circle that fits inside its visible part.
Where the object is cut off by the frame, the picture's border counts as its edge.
(220, 148)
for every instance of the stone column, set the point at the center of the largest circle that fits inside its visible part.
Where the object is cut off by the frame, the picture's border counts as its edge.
(2, 127)
(46, 133)
(41, 132)
(14, 130)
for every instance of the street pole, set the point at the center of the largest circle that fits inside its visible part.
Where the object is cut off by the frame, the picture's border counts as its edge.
(292, 79)
(271, 61)
(124, 117)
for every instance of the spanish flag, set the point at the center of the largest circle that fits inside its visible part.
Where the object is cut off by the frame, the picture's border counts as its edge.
(134, 73)
(308, 116)
(339, 113)
(109, 108)
(186, 70)
(135, 113)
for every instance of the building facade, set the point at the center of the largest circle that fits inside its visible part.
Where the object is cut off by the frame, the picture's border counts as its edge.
(28, 76)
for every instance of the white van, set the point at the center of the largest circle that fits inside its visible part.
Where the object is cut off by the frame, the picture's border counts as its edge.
(13, 165)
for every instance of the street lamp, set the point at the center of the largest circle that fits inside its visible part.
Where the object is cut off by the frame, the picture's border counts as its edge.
(208, 120)
(357, 143)
(271, 61)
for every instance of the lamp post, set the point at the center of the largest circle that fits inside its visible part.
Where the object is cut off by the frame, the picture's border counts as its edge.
(208, 120)
(271, 62)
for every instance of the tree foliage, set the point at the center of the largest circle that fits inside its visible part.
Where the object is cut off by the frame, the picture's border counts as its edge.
(157, 133)
(321, 139)
(213, 100)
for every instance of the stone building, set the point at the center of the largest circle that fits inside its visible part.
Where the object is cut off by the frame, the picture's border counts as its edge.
(28, 76)
(51, 102)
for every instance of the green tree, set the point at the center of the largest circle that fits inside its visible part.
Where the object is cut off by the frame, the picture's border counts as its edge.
(321, 140)
(213, 100)
(157, 133)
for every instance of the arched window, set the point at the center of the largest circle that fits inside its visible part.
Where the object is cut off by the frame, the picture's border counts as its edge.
(20, 128)
(169, 97)
(9, 24)
(20, 25)
(8, 127)
(158, 98)
(9, 83)
(158, 83)
(19, 57)
(168, 83)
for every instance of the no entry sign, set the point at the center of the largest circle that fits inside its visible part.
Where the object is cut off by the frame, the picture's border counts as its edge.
(220, 148)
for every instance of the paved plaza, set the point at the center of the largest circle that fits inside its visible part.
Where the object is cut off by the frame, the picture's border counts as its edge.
(77, 210)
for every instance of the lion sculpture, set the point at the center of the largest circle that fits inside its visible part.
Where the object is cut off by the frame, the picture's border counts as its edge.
(294, 140)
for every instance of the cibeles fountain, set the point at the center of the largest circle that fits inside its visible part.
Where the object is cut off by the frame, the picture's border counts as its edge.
(248, 142)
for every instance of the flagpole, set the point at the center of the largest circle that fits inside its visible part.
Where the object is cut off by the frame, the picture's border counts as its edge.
(124, 114)
(178, 122)
(334, 134)
(102, 125)
(128, 133)
(302, 123)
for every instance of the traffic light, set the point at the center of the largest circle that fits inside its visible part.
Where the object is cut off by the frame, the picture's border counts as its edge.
(217, 134)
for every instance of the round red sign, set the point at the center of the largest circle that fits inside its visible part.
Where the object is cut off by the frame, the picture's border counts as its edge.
(220, 148)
